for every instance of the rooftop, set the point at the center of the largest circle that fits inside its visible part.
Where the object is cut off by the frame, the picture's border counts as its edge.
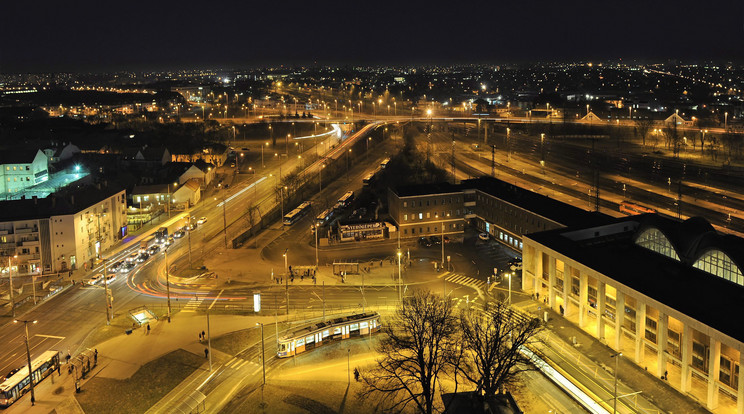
(700, 295)
(70, 201)
(427, 189)
(539, 204)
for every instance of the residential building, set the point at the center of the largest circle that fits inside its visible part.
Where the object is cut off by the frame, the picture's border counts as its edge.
(62, 231)
(661, 291)
(428, 210)
(21, 169)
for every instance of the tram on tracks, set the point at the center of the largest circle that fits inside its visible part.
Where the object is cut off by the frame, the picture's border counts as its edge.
(310, 337)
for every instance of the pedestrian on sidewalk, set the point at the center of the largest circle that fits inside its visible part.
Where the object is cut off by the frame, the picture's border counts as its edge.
(148, 329)
(206, 352)
(200, 337)
(204, 336)
(95, 356)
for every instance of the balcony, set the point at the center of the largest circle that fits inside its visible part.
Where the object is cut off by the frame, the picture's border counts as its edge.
(26, 230)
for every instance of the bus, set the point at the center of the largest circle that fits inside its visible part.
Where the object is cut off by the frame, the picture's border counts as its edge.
(633, 209)
(296, 214)
(161, 235)
(384, 163)
(368, 178)
(324, 217)
(315, 335)
(346, 199)
(18, 384)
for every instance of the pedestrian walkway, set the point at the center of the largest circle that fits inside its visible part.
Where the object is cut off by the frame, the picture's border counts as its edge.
(193, 304)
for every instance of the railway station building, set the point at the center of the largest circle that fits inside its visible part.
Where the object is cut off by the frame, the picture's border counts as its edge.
(665, 293)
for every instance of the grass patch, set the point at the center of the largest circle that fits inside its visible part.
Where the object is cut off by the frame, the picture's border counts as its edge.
(234, 342)
(105, 332)
(143, 390)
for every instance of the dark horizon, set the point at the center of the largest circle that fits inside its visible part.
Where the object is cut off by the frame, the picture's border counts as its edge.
(45, 37)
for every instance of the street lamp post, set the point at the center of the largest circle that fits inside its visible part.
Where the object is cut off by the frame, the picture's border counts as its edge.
(106, 292)
(286, 278)
(28, 358)
(167, 276)
(263, 355)
(317, 262)
(400, 291)
(614, 400)
(10, 284)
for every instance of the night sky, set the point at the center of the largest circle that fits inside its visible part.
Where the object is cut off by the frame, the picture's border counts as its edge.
(131, 35)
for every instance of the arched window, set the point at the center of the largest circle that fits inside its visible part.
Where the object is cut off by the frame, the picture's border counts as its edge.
(654, 240)
(718, 263)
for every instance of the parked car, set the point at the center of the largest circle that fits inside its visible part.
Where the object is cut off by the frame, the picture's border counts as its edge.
(424, 241)
(484, 236)
(446, 239)
(435, 240)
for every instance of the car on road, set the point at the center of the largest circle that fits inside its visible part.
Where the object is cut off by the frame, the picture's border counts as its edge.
(170, 241)
(95, 279)
(178, 234)
(111, 277)
(435, 240)
(142, 257)
(201, 220)
(515, 263)
(424, 241)
(127, 267)
(483, 236)
(132, 257)
(153, 249)
(115, 267)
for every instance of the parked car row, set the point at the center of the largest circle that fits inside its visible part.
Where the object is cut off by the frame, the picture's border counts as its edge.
(432, 241)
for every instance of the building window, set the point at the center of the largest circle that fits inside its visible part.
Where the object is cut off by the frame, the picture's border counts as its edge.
(14, 168)
(405, 231)
(421, 216)
(428, 215)
(405, 217)
(718, 263)
(654, 240)
(405, 204)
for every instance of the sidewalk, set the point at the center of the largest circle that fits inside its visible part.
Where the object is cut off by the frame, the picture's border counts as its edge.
(594, 359)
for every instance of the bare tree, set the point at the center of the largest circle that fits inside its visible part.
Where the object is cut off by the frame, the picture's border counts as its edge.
(673, 138)
(492, 342)
(420, 346)
(643, 126)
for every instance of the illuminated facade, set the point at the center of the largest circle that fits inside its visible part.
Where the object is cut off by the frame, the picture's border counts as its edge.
(663, 292)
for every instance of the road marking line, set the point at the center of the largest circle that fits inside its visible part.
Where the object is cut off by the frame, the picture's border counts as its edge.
(215, 299)
(50, 336)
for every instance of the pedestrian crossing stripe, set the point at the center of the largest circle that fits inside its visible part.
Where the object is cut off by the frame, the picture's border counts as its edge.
(466, 281)
(194, 303)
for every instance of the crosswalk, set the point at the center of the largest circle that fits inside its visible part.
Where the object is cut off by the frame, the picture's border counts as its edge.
(193, 304)
(237, 364)
(464, 280)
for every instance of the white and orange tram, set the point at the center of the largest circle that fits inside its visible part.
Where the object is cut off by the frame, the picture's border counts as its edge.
(315, 335)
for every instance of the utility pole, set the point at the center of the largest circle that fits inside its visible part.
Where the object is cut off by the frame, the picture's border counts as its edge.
(10, 284)
(596, 189)
(28, 358)
(105, 291)
(286, 279)
(224, 219)
(209, 342)
(454, 180)
(167, 281)
(493, 160)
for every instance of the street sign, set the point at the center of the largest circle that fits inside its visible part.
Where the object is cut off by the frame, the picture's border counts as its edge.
(256, 302)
